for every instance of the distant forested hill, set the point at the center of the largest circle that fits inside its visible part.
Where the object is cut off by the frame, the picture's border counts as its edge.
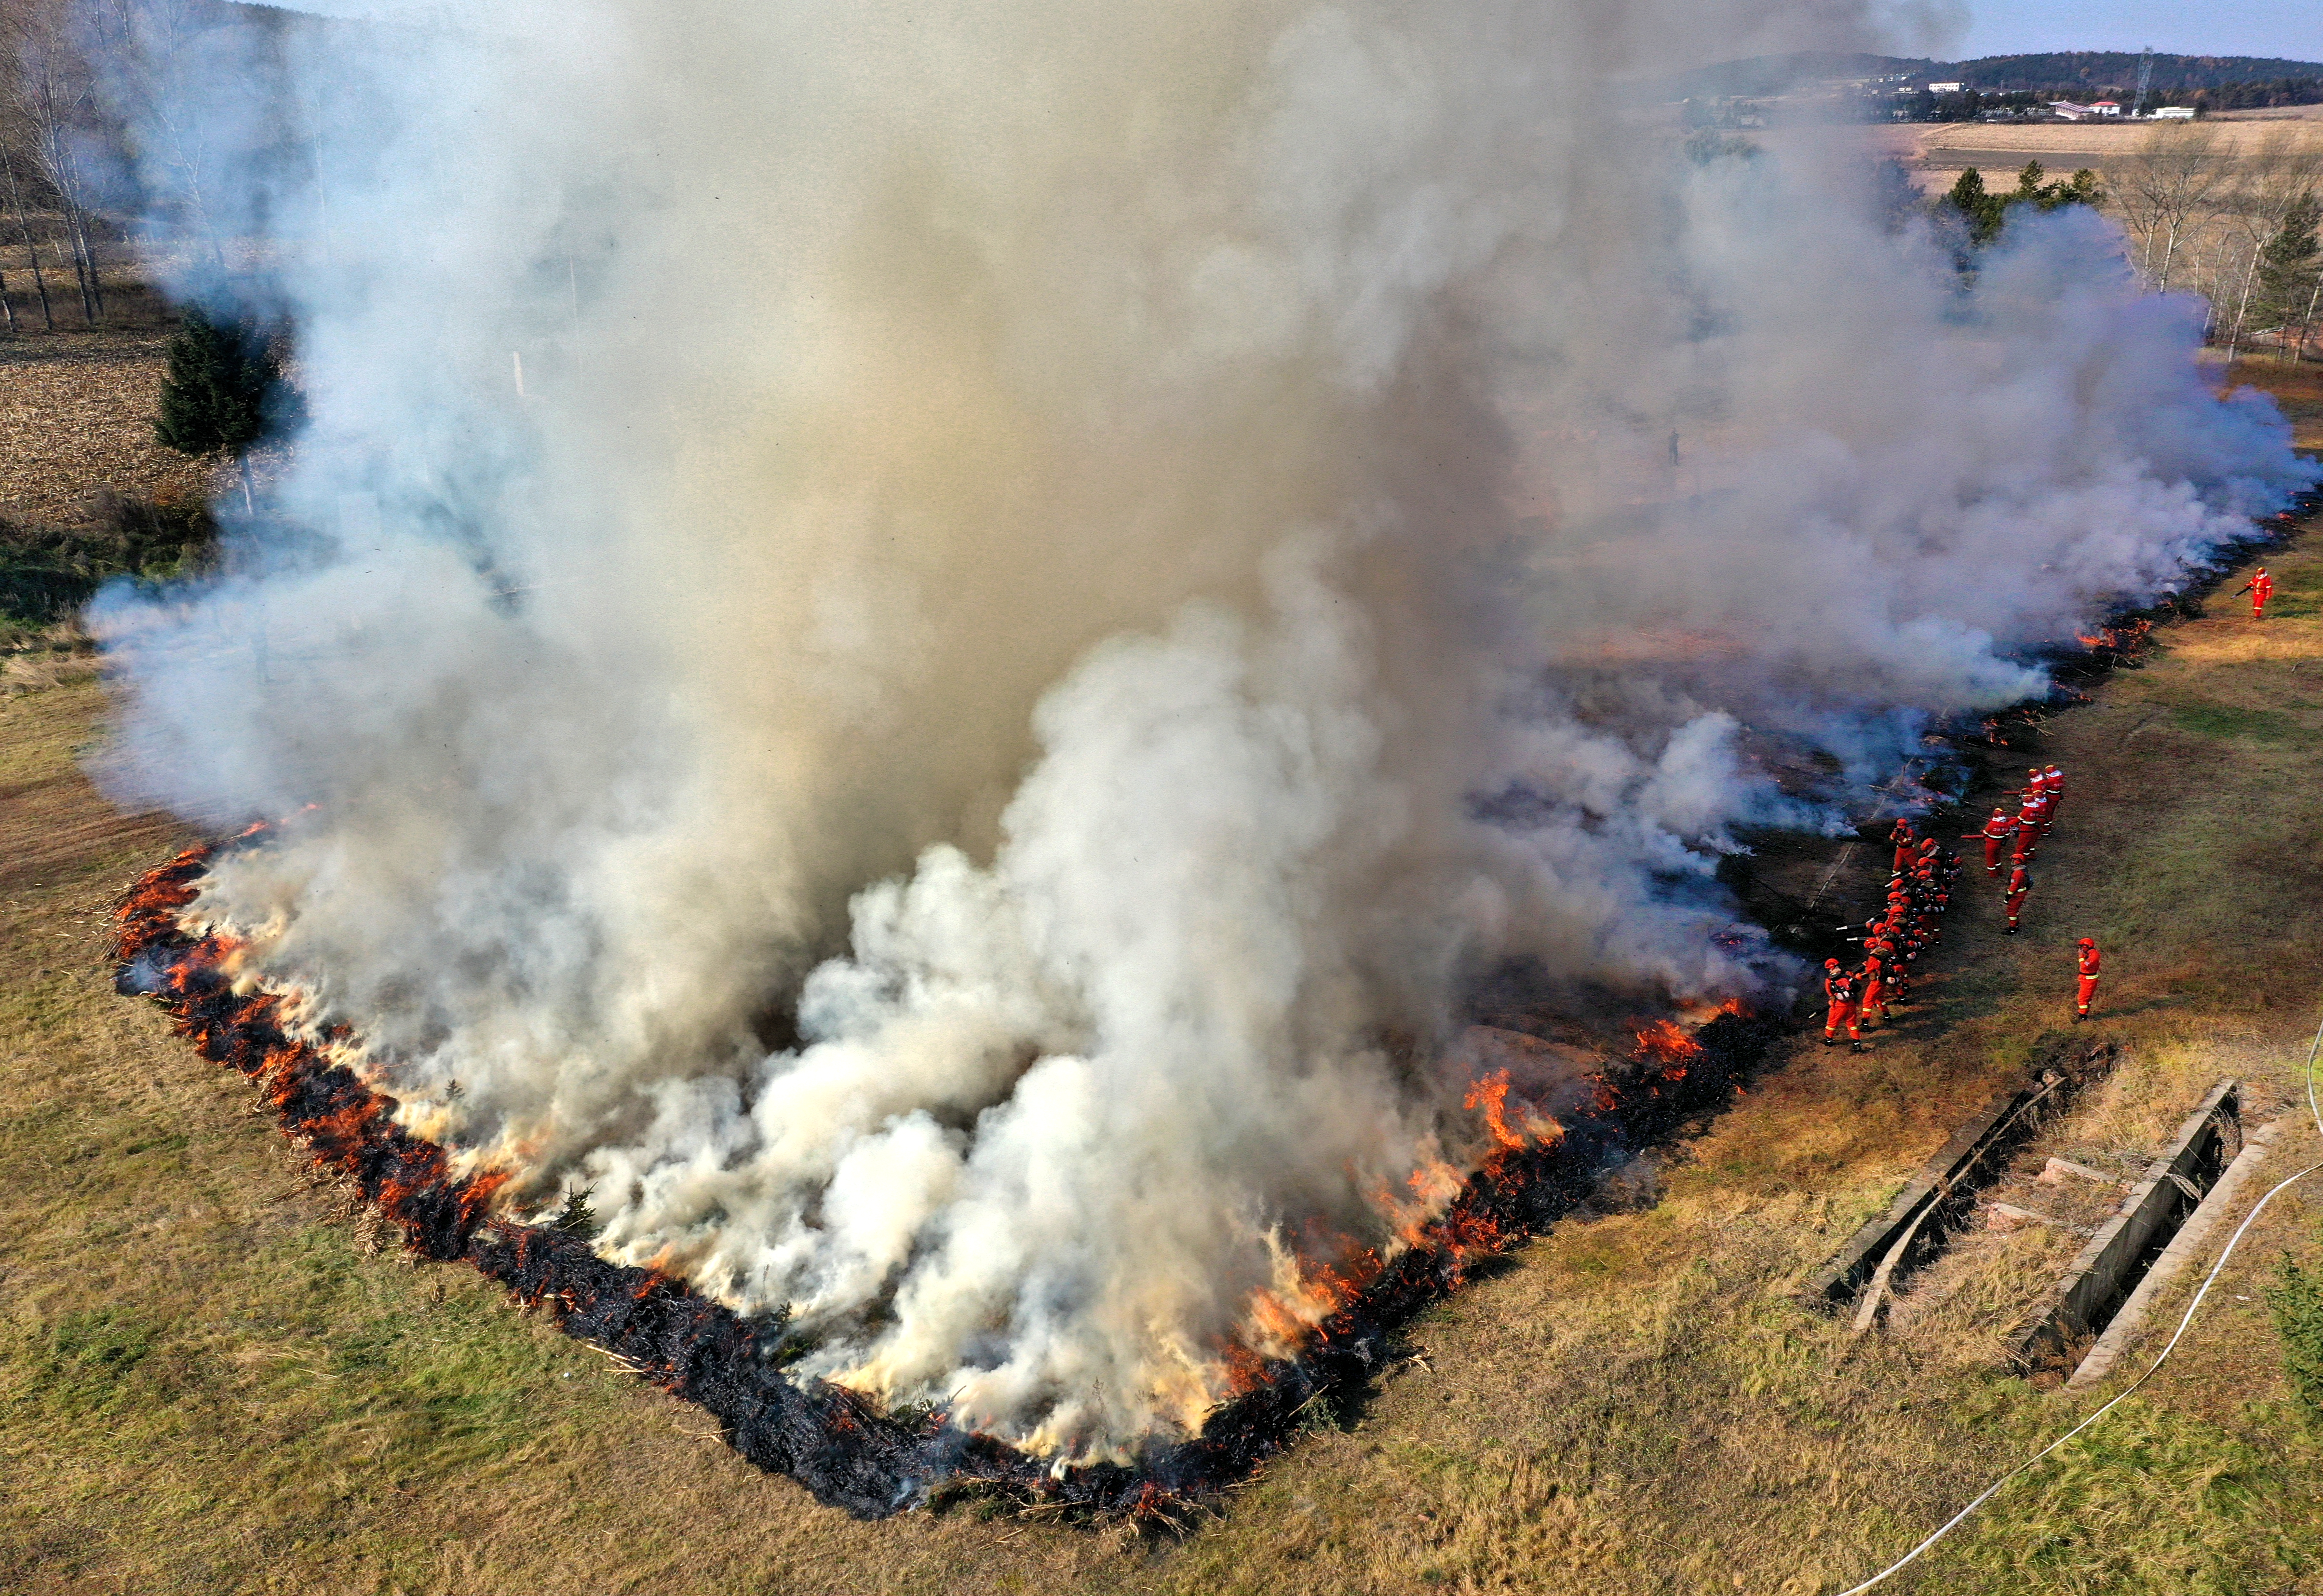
(2219, 82)
(2096, 69)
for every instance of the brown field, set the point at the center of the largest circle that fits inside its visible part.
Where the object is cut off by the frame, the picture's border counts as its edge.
(2298, 390)
(76, 403)
(76, 410)
(1936, 153)
(214, 1378)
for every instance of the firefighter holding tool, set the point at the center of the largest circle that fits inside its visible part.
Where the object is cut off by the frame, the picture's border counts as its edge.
(1906, 840)
(2087, 976)
(2053, 797)
(2028, 839)
(1997, 831)
(1838, 991)
(2020, 882)
(1874, 1000)
(2261, 588)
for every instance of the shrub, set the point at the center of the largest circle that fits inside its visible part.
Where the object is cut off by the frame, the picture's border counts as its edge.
(47, 573)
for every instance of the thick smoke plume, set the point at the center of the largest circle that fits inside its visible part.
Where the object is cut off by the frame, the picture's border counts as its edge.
(932, 649)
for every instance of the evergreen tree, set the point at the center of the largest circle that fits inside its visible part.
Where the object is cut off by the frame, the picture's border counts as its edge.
(2288, 266)
(223, 392)
(1987, 213)
(1983, 212)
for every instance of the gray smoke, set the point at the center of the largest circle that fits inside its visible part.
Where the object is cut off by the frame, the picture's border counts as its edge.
(1062, 584)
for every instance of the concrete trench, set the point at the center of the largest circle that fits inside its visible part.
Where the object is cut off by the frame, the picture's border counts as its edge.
(1915, 1228)
(2058, 1335)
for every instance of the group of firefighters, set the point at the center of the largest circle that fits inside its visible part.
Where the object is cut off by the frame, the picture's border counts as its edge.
(1919, 892)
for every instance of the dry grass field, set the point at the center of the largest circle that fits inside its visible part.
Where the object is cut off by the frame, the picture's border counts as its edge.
(1936, 153)
(76, 410)
(77, 401)
(214, 1378)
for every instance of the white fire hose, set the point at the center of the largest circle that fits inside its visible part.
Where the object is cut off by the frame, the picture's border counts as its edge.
(1959, 1517)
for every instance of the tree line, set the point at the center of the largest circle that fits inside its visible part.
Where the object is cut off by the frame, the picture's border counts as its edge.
(1983, 212)
(51, 129)
(2234, 223)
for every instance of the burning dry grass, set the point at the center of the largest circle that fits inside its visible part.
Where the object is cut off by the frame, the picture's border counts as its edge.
(209, 1380)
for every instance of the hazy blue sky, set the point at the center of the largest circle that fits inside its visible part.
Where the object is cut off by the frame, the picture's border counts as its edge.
(2292, 28)
(2289, 28)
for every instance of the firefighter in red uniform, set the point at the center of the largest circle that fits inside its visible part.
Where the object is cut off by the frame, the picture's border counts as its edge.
(2020, 882)
(1891, 973)
(1875, 988)
(2028, 833)
(1838, 991)
(2260, 587)
(1904, 838)
(1996, 830)
(2053, 795)
(2088, 979)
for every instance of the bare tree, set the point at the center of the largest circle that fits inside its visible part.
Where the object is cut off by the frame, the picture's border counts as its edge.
(2168, 190)
(2259, 191)
(54, 101)
(24, 226)
(148, 48)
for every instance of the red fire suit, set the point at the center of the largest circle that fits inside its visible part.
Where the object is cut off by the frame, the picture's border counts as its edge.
(2089, 980)
(1906, 840)
(1838, 991)
(2260, 587)
(1996, 830)
(2020, 882)
(2056, 794)
(1875, 989)
(2028, 833)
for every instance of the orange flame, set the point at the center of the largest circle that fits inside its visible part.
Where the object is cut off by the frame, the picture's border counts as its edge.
(1490, 1095)
(1664, 1042)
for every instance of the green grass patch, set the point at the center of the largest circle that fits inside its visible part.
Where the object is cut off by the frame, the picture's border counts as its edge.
(2149, 1500)
(2297, 592)
(2225, 721)
(92, 1356)
(2297, 1299)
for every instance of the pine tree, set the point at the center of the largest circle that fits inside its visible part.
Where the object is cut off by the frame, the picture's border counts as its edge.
(223, 391)
(1981, 211)
(1985, 213)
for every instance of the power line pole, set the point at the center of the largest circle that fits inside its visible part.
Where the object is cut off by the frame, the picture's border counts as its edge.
(2144, 77)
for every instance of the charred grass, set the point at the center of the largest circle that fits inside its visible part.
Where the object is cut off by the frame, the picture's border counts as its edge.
(212, 1378)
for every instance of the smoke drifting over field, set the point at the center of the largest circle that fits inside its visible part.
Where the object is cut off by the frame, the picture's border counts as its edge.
(1064, 582)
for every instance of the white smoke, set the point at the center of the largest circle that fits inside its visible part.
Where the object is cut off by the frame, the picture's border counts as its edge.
(1064, 583)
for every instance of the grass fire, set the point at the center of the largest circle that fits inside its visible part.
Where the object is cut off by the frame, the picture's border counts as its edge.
(1320, 1336)
(1189, 776)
